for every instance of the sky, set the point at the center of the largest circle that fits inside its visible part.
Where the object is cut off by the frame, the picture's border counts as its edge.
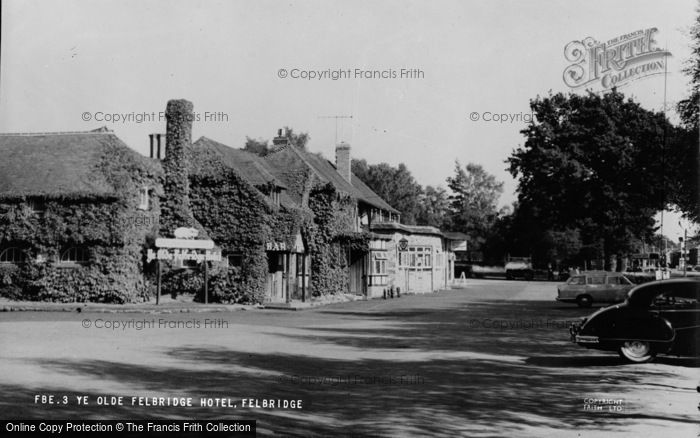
(70, 65)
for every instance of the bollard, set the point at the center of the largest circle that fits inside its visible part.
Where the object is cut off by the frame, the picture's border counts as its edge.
(398, 292)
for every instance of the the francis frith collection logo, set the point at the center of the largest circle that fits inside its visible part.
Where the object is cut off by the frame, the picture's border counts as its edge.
(614, 63)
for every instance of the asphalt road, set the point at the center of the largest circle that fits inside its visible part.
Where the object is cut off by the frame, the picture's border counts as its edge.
(491, 359)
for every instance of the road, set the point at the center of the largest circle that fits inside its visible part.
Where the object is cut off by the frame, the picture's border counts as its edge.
(491, 359)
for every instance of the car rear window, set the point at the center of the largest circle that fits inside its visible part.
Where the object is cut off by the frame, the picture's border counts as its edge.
(614, 280)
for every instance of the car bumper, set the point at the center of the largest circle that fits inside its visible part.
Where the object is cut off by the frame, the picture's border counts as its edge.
(575, 329)
(566, 300)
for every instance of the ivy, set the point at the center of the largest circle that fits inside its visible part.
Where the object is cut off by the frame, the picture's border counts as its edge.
(332, 230)
(104, 224)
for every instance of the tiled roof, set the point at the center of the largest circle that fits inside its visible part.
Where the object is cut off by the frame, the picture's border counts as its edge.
(56, 164)
(327, 172)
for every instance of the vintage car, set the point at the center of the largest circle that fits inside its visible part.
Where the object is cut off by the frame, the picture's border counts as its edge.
(591, 287)
(519, 267)
(659, 317)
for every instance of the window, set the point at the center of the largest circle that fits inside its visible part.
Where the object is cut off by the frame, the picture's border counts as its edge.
(418, 257)
(674, 300)
(613, 280)
(377, 244)
(580, 280)
(379, 263)
(618, 280)
(596, 280)
(75, 255)
(275, 196)
(13, 255)
(144, 201)
(235, 260)
(36, 205)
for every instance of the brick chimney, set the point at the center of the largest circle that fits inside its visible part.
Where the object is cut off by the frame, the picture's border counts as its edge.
(342, 160)
(157, 146)
(281, 140)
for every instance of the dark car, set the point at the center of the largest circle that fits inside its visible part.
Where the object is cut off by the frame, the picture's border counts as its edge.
(660, 317)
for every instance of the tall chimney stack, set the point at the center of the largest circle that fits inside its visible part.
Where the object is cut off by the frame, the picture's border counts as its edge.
(176, 210)
(342, 160)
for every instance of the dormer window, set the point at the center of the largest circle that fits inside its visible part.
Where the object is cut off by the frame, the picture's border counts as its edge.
(144, 200)
(275, 196)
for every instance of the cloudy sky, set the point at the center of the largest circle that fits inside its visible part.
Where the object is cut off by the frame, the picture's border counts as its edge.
(61, 59)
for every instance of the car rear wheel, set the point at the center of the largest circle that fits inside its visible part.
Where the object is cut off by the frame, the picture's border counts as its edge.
(584, 300)
(637, 351)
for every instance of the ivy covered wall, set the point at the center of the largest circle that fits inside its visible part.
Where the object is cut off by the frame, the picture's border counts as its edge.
(108, 226)
(235, 216)
(330, 236)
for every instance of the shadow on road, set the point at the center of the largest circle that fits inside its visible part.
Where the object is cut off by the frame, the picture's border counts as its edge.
(470, 370)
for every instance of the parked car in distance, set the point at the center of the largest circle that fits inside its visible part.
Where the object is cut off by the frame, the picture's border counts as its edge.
(519, 267)
(590, 287)
(659, 317)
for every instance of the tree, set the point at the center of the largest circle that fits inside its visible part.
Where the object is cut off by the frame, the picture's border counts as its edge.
(395, 185)
(474, 201)
(688, 195)
(257, 146)
(596, 164)
(262, 147)
(433, 207)
(299, 140)
(688, 108)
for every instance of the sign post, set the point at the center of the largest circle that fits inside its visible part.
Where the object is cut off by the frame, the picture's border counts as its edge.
(183, 249)
(206, 285)
(157, 282)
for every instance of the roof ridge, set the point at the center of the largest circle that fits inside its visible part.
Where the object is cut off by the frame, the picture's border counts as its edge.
(29, 134)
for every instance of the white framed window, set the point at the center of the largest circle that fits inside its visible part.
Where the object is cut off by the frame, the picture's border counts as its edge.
(416, 257)
(377, 244)
(13, 255)
(144, 199)
(377, 268)
(378, 263)
(75, 255)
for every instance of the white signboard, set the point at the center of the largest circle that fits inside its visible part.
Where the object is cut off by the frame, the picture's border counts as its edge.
(184, 243)
(186, 233)
(183, 254)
